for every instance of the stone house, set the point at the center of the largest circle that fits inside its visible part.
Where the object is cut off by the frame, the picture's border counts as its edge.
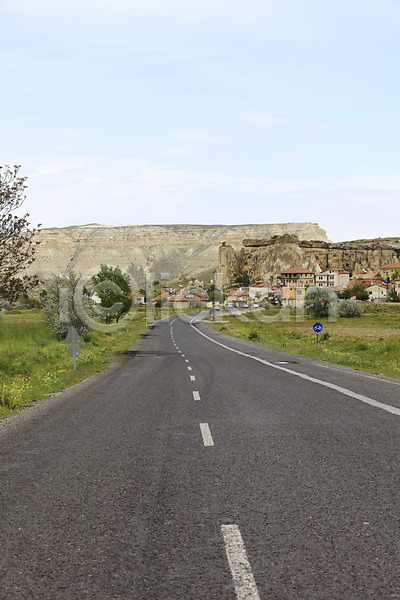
(293, 296)
(389, 270)
(377, 292)
(259, 291)
(296, 277)
(332, 278)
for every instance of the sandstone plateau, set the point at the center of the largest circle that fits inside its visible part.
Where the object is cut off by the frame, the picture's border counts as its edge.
(265, 258)
(167, 251)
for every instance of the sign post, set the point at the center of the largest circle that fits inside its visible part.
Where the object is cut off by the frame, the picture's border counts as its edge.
(318, 327)
(73, 340)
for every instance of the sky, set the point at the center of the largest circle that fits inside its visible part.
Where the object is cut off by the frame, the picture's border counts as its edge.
(200, 111)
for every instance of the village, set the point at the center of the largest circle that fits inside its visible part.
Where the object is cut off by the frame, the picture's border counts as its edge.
(288, 289)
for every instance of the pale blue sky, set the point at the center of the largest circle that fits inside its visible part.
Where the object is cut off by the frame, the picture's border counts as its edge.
(192, 111)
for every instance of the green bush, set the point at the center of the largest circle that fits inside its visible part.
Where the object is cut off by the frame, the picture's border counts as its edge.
(253, 335)
(349, 309)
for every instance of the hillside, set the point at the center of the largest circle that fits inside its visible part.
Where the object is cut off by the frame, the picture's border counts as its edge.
(164, 251)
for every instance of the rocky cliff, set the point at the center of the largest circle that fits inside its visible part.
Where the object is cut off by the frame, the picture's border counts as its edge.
(265, 258)
(170, 250)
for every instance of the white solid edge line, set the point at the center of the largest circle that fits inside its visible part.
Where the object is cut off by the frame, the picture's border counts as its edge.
(243, 578)
(196, 396)
(376, 377)
(390, 409)
(206, 434)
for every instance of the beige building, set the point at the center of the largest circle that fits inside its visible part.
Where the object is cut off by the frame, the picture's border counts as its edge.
(332, 278)
(388, 270)
(293, 297)
(296, 277)
(259, 291)
(377, 292)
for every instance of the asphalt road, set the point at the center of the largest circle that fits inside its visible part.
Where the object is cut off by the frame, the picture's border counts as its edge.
(190, 471)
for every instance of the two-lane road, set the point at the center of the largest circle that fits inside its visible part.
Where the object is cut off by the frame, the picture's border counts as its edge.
(201, 466)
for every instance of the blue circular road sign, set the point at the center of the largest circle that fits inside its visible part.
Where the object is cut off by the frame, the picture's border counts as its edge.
(318, 327)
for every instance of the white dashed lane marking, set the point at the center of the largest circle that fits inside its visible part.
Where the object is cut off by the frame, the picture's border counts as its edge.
(189, 368)
(243, 578)
(206, 434)
(192, 378)
(196, 396)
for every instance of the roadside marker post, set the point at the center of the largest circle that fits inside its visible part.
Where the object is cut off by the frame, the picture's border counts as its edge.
(73, 340)
(318, 327)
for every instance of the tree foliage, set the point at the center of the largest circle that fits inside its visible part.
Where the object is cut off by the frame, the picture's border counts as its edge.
(17, 244)
(319, 301)
(114, 291)
(393, 296)
(245, 279)
(359, 291)
(58, 303)
(345, 295)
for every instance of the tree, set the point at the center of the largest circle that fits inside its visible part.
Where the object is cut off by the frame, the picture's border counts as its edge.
(319, 301)
(17, 246)
(345, 295)
(245, 279)
(114, 291)
(362, 295)
(57, 299)
(395, 275)
(393, 296)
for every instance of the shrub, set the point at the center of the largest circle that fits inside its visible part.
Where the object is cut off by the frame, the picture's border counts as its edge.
(325, 336)
(253, 335)
(349, 309)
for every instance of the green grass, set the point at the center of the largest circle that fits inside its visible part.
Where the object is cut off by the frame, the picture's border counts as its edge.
(370, 343)
(33, 363)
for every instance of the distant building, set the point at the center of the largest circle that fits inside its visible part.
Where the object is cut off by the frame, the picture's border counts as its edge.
(137, 298)
(332, 278)
(389, 270)
(296, 277)
(237, 297)
(377, 291)
(293, 296)
(259, 291)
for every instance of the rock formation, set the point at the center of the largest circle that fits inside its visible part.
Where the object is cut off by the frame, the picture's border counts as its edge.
(265, 258)
(170, 250)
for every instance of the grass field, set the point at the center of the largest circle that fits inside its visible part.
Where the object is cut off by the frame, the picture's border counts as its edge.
(370, 343)
(33, 363)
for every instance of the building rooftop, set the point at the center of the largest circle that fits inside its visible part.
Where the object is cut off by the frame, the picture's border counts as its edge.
(297, 270)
